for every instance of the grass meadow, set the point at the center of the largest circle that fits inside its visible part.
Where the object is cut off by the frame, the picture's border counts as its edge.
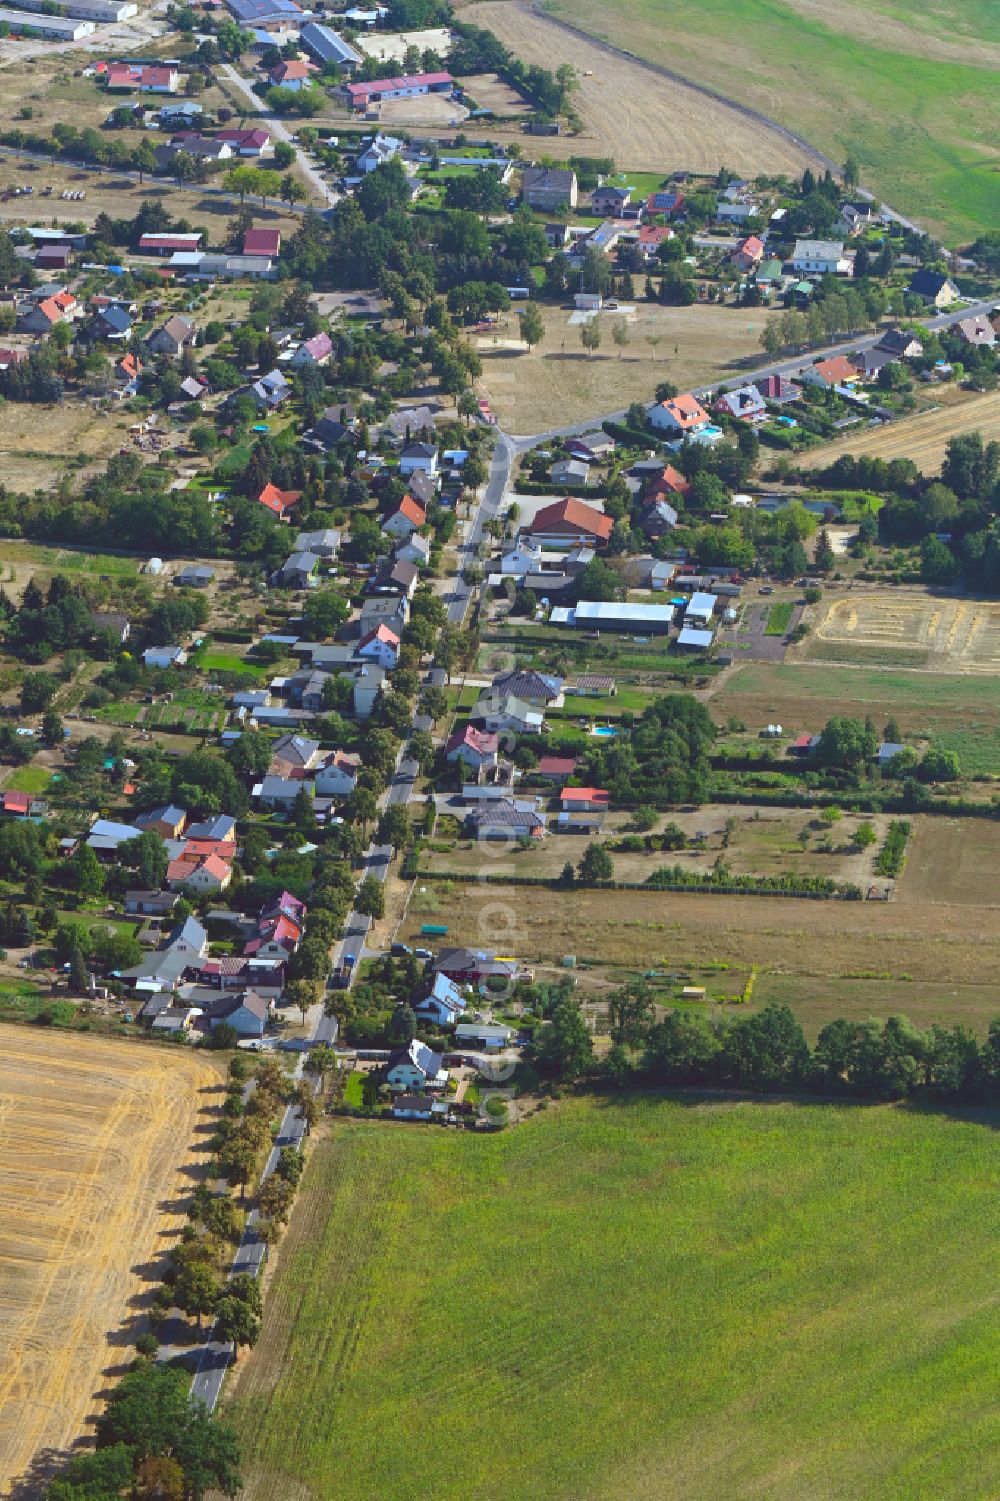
(912, 91)
(666, 1298)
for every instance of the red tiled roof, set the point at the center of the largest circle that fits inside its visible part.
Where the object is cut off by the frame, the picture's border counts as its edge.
(279, 501)
(584, 795)
(574, 515)
(412, 510)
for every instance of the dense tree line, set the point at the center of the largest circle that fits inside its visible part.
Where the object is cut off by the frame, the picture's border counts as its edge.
(767, 1051)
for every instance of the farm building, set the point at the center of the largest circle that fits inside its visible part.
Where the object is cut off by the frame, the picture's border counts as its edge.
(607, 616)
(361, 96)
(59, 28)
(326, 46)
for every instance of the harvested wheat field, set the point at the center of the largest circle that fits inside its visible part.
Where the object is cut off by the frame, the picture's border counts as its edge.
(951, 635)
(93, 1134)
(922, 438)
(643, 119)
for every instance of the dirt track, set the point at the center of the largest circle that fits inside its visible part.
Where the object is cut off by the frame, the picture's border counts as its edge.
(92, 1133)
(646, 120)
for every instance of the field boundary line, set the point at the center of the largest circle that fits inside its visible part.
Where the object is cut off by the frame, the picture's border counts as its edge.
(755, 115)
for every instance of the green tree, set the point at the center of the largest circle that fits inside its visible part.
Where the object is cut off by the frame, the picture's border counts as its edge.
(590, 336)
(38, 689)
(630, 1011)
(196, 1290)
(531, 325)
(370, 899)
(620, 335)
(864, 835)
(565, 1046)
(596, 865)
(88, 877)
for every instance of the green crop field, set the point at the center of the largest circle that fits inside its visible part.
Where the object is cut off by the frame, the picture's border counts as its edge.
(913, 91)
(680, 1300)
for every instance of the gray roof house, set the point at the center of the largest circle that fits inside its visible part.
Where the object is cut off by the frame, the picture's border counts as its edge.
(299, 571)
(325, 543)
(173, 336)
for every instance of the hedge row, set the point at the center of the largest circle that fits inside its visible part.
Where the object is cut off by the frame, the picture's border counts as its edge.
(553, 883)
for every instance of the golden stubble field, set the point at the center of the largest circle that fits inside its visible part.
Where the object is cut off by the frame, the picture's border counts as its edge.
(645, 121)
(95, 1166)
(922, 438)
(952, 635)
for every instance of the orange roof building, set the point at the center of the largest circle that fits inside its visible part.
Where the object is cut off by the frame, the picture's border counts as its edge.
(571, 522)
(280, 502)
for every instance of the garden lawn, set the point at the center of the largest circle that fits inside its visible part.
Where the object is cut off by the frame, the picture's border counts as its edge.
(695, 1300)
(33, 779)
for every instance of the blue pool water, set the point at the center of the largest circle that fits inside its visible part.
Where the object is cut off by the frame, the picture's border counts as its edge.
(606, 731)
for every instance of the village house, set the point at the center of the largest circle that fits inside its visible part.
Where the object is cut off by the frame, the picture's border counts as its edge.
(933, 287)
(475, 748)
(292, 73)
(498, 713)
(475, 966)
(541, 690)
(408, 517)
(279, 502)
(41, 316)
(141, 78)
(419, 457)
(171, 337)
(659, 518)
(205, 875)
(338, 775)
(246, 1012)
(681, 416)
(570, 522)
(548, 189)
(325, 543)
(836, 371)
(745, 404)
(440, 1001)
(315, 351)
(413, 549)
(271, 390)
(555, 768)
(415, 1068)
(748, 254)
(777, 390)
(584, 800)
(610, 201)
(381, 645)
(901, 344)
(252, 143)
(506, 818)
(822, 258)
(977, 331)
(262, 241)
(665, 201)
(278, 793)
(293, 756)
(367, 686)
(167, 821)
(667, 484)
